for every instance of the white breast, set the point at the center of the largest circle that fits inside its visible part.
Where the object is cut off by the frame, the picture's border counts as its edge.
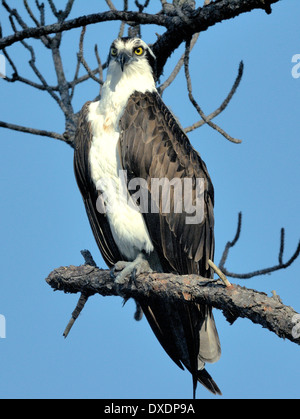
(127, 224)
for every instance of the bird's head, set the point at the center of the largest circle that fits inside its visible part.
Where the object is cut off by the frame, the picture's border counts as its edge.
(131, 55)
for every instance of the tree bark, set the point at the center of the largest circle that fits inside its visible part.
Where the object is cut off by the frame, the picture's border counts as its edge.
(234, 301)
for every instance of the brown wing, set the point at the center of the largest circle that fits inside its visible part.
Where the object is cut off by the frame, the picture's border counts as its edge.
(153, 146)
(90, 195)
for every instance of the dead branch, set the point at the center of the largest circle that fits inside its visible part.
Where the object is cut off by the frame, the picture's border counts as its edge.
(234, 301)
(47, 88)
(83, 61)
(180, 23)
(277, 267)
(110, 5)
(16, 77)
(100, 67)
(194, 102)
(200, 20)
(224, 104)
(143, 18)
(177, 67)
(35, 131)
(14, 14)
(61, 94)
(178, 29)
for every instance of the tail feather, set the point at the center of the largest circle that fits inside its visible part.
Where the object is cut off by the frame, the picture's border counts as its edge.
(207, 381)
(210, 347)
(189, 336)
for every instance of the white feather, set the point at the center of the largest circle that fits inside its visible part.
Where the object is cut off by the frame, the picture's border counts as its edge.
(127, 224)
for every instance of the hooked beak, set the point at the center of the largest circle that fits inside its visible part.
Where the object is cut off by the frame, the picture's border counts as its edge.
(123, 59)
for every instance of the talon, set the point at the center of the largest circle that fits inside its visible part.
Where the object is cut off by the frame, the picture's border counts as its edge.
(133, 276)
(112, 273)
(131, 269)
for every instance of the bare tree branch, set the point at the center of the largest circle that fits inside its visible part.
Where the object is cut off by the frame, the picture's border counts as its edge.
(47, 88)
(143, 18)
(177, 68)
(258, 272)
(234, 301)
(84, 78)
(61, 15)
(201, 19)
(13, 13)
(123, 24)
(178, 29)
(223, 105)
(17, 78)
(34, 131)
(100, 67)
(83, 62)
(41, 8)
(110, 5)
(32, 61)
(31, 14)
(195, 104)
(181, 23)
(78, 309)
(60, 93)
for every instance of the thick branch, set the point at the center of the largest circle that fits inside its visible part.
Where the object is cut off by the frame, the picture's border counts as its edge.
(200, 20)
(179, 29)
(143, 18)
(234, 301)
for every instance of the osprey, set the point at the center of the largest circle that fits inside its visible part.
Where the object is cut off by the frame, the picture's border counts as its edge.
(131, 132)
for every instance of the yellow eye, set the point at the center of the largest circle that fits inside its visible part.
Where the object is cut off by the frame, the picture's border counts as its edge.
(139, 51)
(113, 51)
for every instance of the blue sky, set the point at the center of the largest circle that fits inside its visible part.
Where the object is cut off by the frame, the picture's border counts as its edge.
(43, 222)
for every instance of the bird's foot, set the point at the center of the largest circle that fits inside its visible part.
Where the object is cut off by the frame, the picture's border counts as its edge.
(138, 266)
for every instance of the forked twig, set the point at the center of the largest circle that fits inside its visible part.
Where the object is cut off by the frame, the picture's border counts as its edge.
(177, 68)
(82, 60)
(193, 101)
(223, 105)
(280, 265)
